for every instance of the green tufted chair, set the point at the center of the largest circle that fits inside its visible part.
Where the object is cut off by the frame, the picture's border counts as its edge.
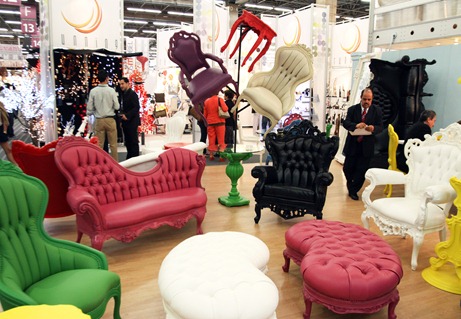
(37, 269)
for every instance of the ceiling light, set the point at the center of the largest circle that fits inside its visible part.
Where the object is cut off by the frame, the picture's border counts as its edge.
(257, 6)
(349, 18)
(144, 10)
(6, 36)
(12, 22)
(149, 31)
(17, 30)
(283, 9)
(180, 13)
(10, 12)
(3, 29)
(135, 21)
(130, 30)
(166, 24)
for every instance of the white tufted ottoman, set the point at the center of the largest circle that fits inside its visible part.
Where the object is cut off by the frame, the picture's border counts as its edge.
(218, 275)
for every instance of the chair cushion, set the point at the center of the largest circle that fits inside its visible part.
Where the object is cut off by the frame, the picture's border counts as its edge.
(291, 192)
(208, 83)
(84, 288)
(272, 104)
(140, 209)
(406, 210)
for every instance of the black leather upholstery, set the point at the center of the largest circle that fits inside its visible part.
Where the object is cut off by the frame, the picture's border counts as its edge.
(297, 182)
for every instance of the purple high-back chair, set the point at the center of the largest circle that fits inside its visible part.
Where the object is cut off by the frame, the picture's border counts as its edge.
(197, 78)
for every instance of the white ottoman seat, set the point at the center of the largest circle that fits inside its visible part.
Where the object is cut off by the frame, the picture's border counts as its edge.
(218, 276)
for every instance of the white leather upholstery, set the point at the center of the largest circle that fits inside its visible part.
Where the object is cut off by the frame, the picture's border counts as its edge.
(175, 126)
(428, 194)
(147, 161)
(218, 275)
(272, 93)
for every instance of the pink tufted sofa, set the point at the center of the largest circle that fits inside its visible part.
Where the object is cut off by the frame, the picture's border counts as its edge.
(345, 267)
(111, 201)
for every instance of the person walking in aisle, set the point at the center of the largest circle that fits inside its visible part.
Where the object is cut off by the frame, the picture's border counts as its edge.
(360, 149)
(216, 125)
(103, 103)
(130, 117)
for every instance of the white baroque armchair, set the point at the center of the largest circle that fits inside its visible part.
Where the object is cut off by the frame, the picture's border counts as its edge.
(428, 194)
(272, 93)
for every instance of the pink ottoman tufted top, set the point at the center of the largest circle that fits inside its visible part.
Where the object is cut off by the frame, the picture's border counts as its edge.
(344, 261)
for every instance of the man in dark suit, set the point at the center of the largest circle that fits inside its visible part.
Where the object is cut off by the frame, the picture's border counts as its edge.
(360, 149)
(130, 118)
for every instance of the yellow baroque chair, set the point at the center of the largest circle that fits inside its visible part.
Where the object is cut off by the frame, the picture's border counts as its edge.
(392, 155)
(428, 194)
(272, 93)
(445, 270)
(36, 269)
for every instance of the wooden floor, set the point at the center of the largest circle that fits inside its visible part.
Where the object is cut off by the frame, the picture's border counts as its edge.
(138, 262)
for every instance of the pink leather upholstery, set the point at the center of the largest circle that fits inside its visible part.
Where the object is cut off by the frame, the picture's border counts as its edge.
(113, 202)
(345, 267)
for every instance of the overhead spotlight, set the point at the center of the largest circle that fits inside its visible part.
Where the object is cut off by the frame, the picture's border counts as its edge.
(149, 31)
(130, 30)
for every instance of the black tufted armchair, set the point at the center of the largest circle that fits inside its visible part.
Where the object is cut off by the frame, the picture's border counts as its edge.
(297, 182)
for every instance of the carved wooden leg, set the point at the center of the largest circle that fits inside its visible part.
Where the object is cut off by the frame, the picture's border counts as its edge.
(258, 213)
(365, 220)
(286, 267)
(307, 312)
(391, 308)
(199, 225)
(79, 236)
(97, 242)
(417, 242)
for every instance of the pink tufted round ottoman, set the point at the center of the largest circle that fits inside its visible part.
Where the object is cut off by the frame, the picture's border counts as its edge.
(345, 267)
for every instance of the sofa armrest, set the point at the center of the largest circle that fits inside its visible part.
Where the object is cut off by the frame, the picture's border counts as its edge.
(265, 175)
(440, 194)
(322, 181)
(380, 176)
(83, 203)
(83, 257)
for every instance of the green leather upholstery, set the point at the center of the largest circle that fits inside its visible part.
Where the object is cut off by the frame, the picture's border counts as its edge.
(37, 269)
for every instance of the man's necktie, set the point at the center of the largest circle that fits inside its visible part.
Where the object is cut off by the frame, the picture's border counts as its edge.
(364, 114)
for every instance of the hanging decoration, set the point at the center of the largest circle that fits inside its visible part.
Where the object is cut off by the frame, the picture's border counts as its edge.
(145, 111)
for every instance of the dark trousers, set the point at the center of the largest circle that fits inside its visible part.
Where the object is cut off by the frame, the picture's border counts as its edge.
(229, 137)
(130, 133)
(355, 167)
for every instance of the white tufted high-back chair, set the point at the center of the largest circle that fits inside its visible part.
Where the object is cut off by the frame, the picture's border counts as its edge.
(272, 93)
(175, 126)
(428, 194)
